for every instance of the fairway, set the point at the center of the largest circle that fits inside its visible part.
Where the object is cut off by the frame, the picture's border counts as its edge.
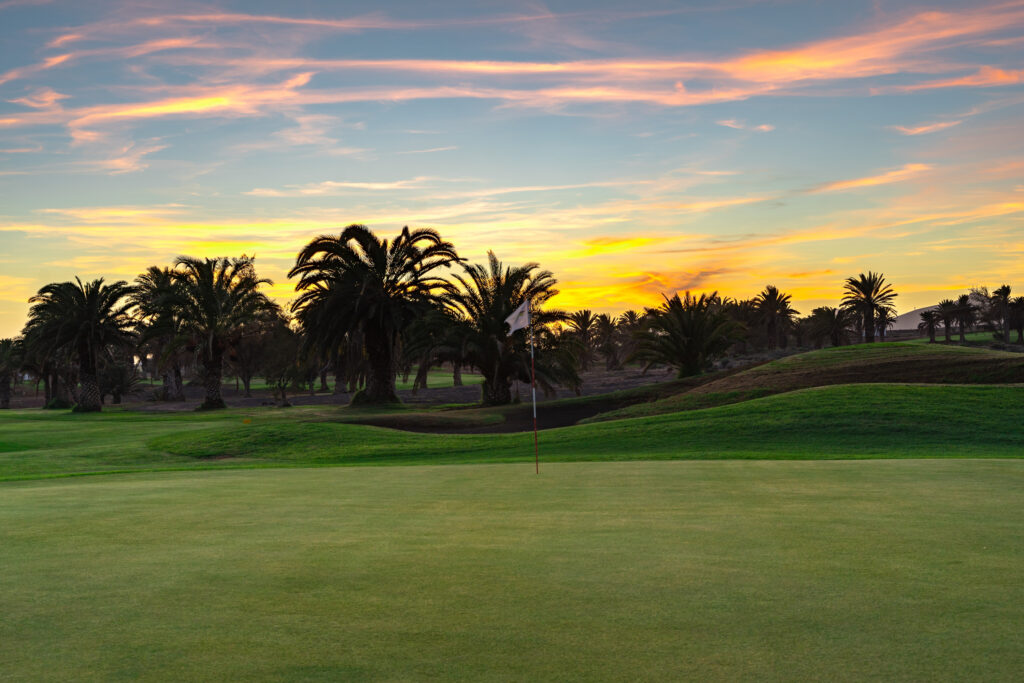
(892, 570)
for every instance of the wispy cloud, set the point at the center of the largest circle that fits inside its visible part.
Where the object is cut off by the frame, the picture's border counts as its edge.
(733, 123)
(925, 128)
(449, 148)
(329, 187)
(896, 175)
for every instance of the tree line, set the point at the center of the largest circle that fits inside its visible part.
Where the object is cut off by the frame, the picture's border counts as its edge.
(998, 312)
(369, 309)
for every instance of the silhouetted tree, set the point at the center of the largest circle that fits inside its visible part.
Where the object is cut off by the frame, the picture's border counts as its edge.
(930, 320)
(1001, 301)
(865, 294)
(966, 313)
(687, 334)
(947, 310)
(830, 323)
(86, 320)
(486, 296)
(356, 281)
(215, 301)
(776, 314)
(10, 364)
(159, 328)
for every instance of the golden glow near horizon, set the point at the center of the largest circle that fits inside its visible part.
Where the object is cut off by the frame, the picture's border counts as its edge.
(633, 152)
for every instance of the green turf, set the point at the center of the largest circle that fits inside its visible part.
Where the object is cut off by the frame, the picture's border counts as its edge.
(869, 570)
(904, 362)
(854, 421)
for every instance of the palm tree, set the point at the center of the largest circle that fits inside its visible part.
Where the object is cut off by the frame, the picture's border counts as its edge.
(583, 325)
(687, 334)
(608, 340)
(947, 311)
(1017, 317)
(776, 314)
(356, 281)
(830, 323)
(486, 296)
(160, 327)
(215, 299)
(1001, 300)
(86, 320)
(966, 314)
(865, 294)
(629, 323)
(930, 320)
(10, 364)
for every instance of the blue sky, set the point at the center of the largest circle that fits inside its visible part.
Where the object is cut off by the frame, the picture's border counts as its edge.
(634, 151)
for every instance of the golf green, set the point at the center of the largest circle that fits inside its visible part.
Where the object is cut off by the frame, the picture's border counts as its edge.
(727, 570)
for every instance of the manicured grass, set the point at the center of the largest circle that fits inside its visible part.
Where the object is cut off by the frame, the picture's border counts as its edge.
(862, 363)
(869, 570)
(854, 421)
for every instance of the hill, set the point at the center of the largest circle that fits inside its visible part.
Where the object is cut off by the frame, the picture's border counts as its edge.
(903, 362)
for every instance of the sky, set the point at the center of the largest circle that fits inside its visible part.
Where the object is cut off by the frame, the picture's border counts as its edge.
(634, 149)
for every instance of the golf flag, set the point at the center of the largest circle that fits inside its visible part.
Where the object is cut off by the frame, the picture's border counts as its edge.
(520, 318)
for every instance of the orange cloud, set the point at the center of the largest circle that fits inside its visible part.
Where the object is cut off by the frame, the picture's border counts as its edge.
(985, 77)
(898, 175)
(926, 128)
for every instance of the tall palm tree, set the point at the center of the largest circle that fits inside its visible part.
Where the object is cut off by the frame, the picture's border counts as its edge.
(583, 325)
(215, 299)
(10, 364)
(864, 294)
(930, 320)
(1001, 300)
(160, 329)
(358, 282)
(687, 334)
(86, 320)
(485, 297)
(947, 311)
(966, 314)
(776, 314)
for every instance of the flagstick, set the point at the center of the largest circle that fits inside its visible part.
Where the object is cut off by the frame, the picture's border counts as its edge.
(533, 390)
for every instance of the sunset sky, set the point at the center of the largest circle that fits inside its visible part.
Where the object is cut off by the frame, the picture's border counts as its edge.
(632, 148)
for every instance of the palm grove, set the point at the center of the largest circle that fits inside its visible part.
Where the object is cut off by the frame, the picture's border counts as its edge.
(368, 309)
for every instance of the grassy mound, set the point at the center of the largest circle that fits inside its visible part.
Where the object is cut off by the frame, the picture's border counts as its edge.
(910, 362)
(900, 570)
(850, 421)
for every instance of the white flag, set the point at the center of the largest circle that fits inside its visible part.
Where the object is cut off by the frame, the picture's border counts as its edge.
(520, 318)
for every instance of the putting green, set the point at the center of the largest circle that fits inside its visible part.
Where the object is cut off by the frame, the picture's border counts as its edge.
(883, 569)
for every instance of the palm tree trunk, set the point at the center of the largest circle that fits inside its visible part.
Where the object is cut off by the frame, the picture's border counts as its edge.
(496, 392)
(213, 370)
(456, 375)
(166, 390)
(1006, 324)
(380, 380)
(421, 376)
(89, 400)
(869, 324)
(963, 339)
(179, 386)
